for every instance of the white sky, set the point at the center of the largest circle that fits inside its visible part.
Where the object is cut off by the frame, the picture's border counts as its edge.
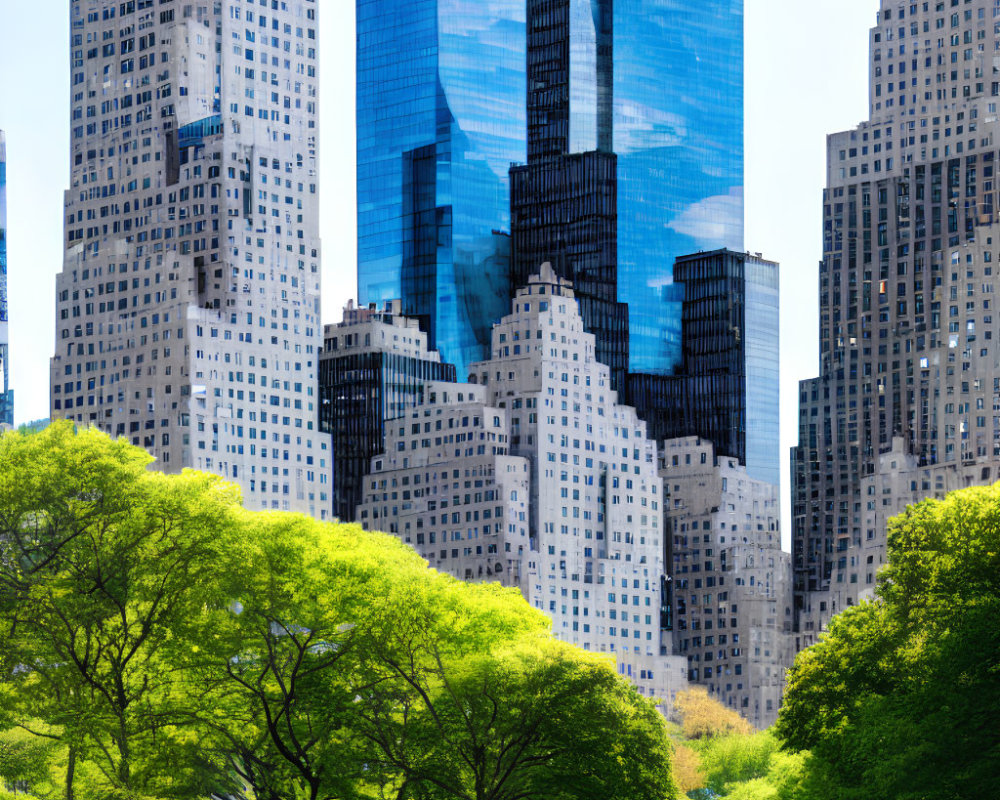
(806, 76)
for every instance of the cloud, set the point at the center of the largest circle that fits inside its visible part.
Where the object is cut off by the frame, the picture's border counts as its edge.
(713, 222)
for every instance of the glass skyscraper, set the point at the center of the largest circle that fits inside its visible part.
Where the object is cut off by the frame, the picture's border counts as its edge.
(726, 388)
(6, 393)
(564, 207)
(678, 133)
(442, 115)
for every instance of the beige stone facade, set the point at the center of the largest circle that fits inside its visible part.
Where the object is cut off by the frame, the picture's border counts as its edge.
(187, 309)
(731, 581)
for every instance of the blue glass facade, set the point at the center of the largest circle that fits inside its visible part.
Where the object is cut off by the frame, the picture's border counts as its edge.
(441, 117)
(762, 372)
(726, 388)
(6, 394)
(678, 133)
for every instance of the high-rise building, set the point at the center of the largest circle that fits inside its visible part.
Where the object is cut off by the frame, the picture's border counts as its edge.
(678, 135)
(440, 116)
(6, 393)
(188, 314)
(726, 389)
(536, 475)
(909, 381)
(731, 582)
(374, 367)
(648, 92)
(564, 207)
(448, 486)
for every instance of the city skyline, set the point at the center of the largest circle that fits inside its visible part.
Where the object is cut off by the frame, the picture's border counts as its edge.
(39, 182)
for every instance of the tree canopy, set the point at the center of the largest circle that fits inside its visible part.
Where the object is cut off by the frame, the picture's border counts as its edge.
(159, 641)
(901, 698)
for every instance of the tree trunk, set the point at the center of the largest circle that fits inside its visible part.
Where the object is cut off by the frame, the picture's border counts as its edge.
(125, 756)
(70, 772)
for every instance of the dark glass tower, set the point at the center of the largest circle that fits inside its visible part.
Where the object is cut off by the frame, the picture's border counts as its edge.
(727, 388)
(6, 393)
(372, 369)
(564, 200)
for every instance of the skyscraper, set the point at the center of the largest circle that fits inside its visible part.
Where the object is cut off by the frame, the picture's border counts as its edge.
(6, 393)
(905, 404)
(564, 205)
(440, 99)
(188, 305)
(538, 477)
(732, 583)
(441, 116)
(678, 135)
(726, 388)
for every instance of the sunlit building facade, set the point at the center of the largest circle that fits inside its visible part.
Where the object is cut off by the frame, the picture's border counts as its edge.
(6, 393)
(187, 309)
(731, 581)
(535, 475)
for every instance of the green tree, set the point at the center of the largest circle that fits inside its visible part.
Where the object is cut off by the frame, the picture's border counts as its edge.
(26, 761)
(901, 698)
(102, 564)
(734, 758)
(539, 719)
(360, 672)
(176, 645)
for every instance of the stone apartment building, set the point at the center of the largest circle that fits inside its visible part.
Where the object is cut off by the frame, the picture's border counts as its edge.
(907, 399)
(731, 582)
(588, 543)
(373, 368)
(187, 309)
(447, 486)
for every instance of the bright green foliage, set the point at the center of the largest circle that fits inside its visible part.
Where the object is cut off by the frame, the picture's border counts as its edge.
(174, 645)
(731, 759)
(901, 699)
(718, 756)
(26, 760)
(102, 563)
(540, 719)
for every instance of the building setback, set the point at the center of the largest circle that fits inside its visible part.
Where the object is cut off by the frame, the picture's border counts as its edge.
(6, 392)
(905, 404)
(580, 518)
(373, 368)
(448, 486)
(727, 387)
(595, 515)
(188, 304)
(731, 581)
(564, 201)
